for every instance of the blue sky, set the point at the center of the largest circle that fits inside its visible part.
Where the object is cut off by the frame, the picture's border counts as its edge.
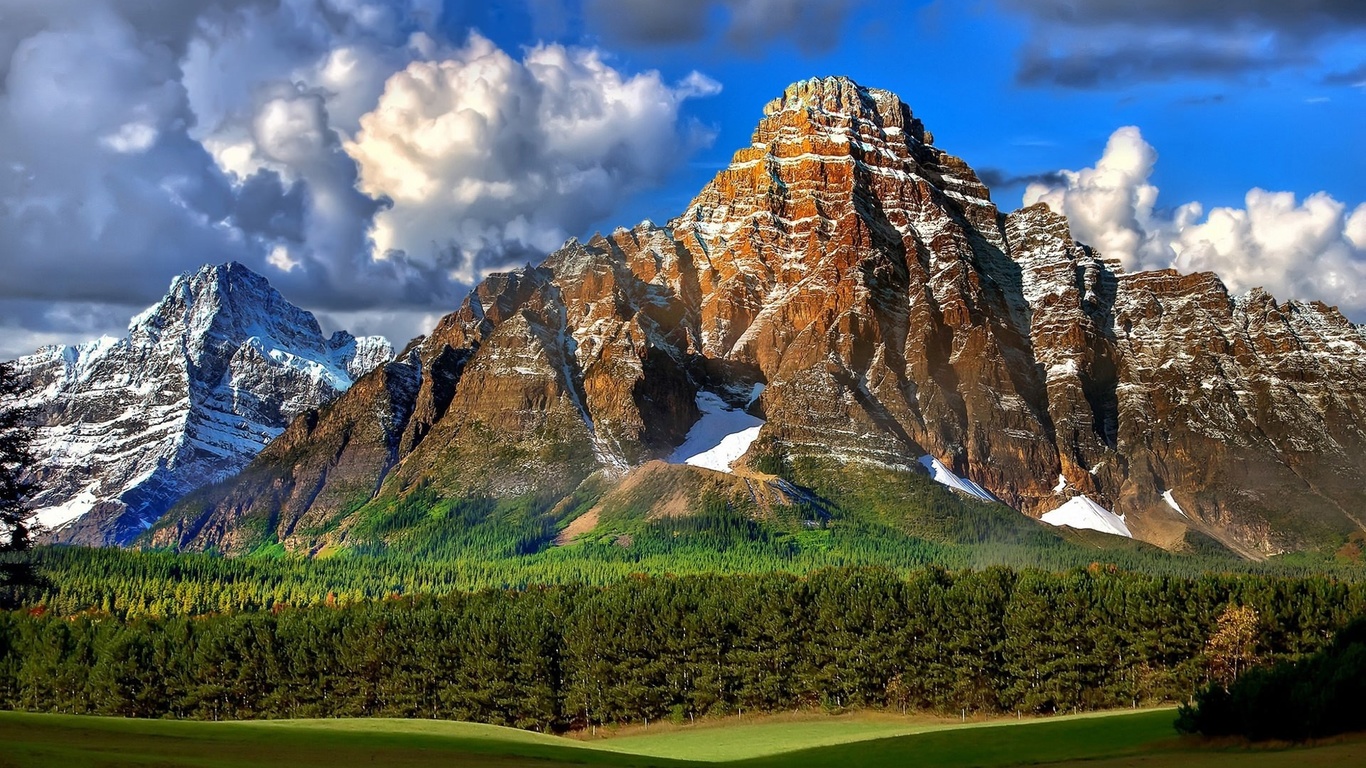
(956, 64)
(344, 149)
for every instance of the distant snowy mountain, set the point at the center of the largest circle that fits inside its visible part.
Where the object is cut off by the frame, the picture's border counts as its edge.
(201, 382)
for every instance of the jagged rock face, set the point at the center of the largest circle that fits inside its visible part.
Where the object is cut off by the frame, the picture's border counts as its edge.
(203, 380)
(331, 459)
(864, 276)
(1249, 413)
(863, 271)
(541, 378)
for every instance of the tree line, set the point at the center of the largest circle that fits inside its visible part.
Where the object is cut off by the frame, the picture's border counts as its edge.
(126, 583)
(648, 648)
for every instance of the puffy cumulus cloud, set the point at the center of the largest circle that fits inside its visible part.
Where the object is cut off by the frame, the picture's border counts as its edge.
(1310, 249)
(1102, 42)
(487, 158)
(143, 138)
(814, 26)
(1304, 249)
(1111, 206)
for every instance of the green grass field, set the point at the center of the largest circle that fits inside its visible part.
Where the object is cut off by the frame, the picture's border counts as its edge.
(1096, 741)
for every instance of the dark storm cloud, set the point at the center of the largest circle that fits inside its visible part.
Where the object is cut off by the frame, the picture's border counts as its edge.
(112, 115)
(813, 25)
(28, 324)
(1350, 77)
(649, 22)
(1148, 60)
(106, 185)
(1299, 16)
(1100, 43)
(996, 178)
(265, 206)
(144, 138)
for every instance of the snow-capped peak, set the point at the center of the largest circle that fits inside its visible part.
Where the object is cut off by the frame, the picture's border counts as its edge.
(202, 381)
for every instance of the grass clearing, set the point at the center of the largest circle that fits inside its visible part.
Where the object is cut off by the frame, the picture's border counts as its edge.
(735, 739)
(1106, 740)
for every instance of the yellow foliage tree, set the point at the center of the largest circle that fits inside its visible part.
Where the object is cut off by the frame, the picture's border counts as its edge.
(1233, 646)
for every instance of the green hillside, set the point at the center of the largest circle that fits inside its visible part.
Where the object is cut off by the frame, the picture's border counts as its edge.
(678, 519)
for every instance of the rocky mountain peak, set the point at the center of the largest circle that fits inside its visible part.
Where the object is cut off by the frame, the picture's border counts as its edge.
(203, 379)
(842, 98)
(226, 304)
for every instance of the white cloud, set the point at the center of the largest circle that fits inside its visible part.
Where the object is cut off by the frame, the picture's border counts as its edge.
(1309, 249)
(99, 183)
(1356, 228)
(280, 259)
(486, 157)
(132, 138)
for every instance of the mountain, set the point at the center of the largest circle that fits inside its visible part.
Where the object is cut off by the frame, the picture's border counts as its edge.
(844, 295)
(202, 381)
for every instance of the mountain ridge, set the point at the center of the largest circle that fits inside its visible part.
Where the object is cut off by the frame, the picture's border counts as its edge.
(891, 312)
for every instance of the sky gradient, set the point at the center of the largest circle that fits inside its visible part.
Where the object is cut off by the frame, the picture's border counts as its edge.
(372, 158)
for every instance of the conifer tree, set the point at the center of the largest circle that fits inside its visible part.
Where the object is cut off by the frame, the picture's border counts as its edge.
(16, 534)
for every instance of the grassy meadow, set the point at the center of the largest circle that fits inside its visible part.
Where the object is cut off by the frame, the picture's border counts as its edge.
(1110, 740)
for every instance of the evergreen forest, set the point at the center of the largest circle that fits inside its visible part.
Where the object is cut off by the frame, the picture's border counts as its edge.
(645, 648)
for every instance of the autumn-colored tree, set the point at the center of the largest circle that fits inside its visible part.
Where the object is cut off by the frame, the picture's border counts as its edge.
(898, 693)
(1232, 649)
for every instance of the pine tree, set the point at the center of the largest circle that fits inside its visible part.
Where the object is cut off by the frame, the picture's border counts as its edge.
(15, 532)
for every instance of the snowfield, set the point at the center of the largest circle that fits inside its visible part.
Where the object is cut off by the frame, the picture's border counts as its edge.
(721, 436)
(1081, 512)
(941, 474)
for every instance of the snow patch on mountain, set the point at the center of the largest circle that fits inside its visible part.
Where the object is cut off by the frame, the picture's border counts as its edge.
(941, 474)
(1081, 512)
(56, 517)
(1171, 502)
(721, 436)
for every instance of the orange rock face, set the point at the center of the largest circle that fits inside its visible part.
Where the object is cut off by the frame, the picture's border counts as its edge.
(864, 276)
